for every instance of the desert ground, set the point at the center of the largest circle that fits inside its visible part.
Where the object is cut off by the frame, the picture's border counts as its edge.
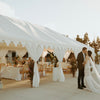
(48, 90)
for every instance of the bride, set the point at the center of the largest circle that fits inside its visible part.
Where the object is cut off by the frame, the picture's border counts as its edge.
(92, 78)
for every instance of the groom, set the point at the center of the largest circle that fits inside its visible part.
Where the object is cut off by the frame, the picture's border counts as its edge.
(80, 65)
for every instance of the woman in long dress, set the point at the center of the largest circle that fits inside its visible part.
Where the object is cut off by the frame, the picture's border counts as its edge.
(92, 83)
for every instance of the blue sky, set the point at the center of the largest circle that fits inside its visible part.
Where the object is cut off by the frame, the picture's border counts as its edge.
(70, 17)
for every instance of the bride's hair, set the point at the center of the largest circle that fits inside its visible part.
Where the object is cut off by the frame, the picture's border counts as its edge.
(89, 53)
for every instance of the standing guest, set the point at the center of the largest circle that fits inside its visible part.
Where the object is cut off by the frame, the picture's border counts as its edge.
(73, 64)
(31, 70)
(55, 61)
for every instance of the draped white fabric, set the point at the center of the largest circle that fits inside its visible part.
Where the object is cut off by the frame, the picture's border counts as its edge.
(3, 60)
(60, 54)
(21, 53)
(44, 53)
(67, 54)
(3, 52)
(35, 52)
(61, 74)
(55, 74)
(36, 77)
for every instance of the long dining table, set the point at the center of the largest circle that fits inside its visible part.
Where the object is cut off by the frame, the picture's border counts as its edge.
(11, 72)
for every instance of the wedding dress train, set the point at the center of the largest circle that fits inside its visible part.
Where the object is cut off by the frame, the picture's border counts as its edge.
(92, 79)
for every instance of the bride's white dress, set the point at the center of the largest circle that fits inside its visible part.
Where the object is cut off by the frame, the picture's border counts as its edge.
(92, 79)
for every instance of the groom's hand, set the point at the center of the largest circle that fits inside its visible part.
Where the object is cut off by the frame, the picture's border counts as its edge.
(84, 63)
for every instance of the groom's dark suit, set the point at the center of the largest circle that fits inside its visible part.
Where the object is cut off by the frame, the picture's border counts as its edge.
(80, 60)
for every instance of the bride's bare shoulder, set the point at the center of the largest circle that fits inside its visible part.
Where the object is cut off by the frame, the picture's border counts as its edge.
(87, 57)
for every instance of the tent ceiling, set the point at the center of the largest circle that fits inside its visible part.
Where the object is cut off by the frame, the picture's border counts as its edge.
(14, 30)
(29, 34)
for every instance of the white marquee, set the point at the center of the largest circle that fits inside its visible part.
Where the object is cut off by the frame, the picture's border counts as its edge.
(35, 39)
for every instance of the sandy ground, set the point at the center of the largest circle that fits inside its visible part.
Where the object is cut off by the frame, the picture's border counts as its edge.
(48, 90)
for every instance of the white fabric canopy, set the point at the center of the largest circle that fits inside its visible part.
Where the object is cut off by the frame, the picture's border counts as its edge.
(67, 54)
(3, 52)
(21, 53)
(35, 53)
(35, 38)
(60, 54)
(76, 51)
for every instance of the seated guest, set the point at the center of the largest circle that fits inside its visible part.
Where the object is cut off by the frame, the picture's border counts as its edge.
(19, 64)
(16, 62)
(47, 58)
(9, 64)
(15, 65)
(23, 62)
(24, 71)
(26, 67)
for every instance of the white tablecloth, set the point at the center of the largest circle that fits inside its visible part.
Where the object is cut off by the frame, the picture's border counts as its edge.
(58, 74)
(65, 65)
(55, 74)
(43, 66)
(44, 63)
(11, 72)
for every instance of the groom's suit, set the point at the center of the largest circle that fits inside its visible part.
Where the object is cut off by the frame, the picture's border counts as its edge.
(80, 60)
